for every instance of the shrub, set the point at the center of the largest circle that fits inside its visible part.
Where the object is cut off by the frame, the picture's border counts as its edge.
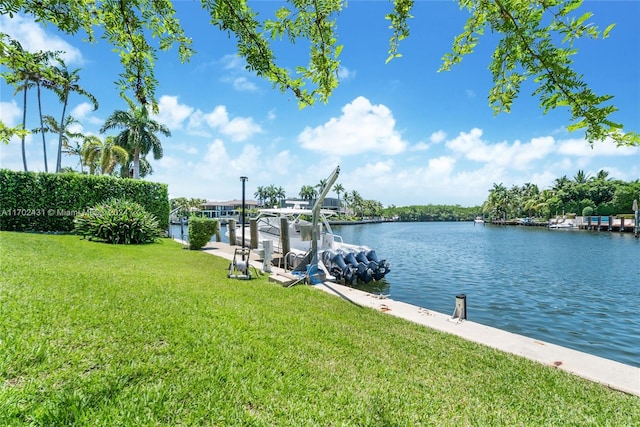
(200, 231)
(587, 211)
(118, 221)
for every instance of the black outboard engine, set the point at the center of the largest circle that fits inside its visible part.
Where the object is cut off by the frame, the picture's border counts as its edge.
(383, 265)
(362, 257)
(363, 271)
(338, 268)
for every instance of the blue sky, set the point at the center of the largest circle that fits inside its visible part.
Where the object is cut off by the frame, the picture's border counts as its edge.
(402, 133)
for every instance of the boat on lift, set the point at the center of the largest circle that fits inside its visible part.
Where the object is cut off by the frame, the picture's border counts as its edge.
(312, 243)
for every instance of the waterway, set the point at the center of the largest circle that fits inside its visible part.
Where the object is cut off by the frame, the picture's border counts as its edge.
(578, 289)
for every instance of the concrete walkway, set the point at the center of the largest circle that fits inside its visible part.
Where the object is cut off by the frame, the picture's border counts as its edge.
(613, 374)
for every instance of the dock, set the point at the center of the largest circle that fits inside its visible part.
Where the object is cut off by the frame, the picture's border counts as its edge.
(591, 223)
(615, 375)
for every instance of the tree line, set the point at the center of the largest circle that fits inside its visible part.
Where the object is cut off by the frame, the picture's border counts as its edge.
(583, 195)
(428, 213)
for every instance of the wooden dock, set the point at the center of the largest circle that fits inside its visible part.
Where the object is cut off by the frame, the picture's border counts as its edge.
(592, 223)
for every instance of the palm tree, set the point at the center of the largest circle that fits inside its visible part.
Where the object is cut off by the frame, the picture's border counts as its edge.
(307, 193)
(138, 135)
(320, 186)
(102, 156)
(20, 62)
(260, 194)
(126, 170)
(66, 135)
(560, 183)
(357, 200)
(602, 175)
(580, 177)
(63, 84)
(42, 75)
(338, 188)
(280, 194)
(497, 201)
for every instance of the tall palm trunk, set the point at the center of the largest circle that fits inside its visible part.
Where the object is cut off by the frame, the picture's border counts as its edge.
(44, 140)
(24, 124)
(60, 136)
(136, 163)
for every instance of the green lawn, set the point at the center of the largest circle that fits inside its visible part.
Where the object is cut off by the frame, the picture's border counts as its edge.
(102, 335)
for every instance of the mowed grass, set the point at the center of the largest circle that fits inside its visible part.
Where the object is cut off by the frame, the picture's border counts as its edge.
(103, 335)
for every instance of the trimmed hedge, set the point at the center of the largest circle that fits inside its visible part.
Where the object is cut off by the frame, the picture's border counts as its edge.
(48, 202)
(200, 231)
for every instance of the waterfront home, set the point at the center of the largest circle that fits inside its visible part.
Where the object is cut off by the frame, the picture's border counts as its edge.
(224, 211)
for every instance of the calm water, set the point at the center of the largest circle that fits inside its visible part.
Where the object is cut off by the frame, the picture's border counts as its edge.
(577, 289)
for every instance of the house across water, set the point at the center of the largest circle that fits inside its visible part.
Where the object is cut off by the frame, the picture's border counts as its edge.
(224, 211)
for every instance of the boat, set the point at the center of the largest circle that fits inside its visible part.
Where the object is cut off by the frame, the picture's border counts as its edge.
(479, 220)
(312, 244)
(561, 223)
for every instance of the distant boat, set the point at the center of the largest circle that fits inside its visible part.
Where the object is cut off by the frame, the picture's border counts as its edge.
(561, 223)
(479, 220)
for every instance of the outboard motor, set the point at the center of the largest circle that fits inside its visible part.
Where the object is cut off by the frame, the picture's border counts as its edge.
(338, 267)
(383, 265)
(361, 257)
(364, 272)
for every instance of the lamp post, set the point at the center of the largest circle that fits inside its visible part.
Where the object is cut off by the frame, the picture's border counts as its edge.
(244, 180)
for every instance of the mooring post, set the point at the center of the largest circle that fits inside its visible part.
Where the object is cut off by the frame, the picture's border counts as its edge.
(460, 311)
(267, 245)
(232, 232)
(284, 237)
(244, 215)
(253, 231)
(636, 230)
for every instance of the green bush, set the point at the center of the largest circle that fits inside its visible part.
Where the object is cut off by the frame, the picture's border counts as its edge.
(200, 231)
(587, 211)
(40, 201)
(118, 221)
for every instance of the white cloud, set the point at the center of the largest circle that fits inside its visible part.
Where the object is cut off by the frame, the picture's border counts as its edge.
(232, 62)
(420, 146)
(237, 74)
(438, 137)
(84, 112)
(33, 37)
(362, 127)
(345, 74)
(171, 113)
(581, 148)
(237, 128)
(243, 84)
(10, 113)
(517, 155)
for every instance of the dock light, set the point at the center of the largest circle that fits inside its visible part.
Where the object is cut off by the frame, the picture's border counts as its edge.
(460, 312)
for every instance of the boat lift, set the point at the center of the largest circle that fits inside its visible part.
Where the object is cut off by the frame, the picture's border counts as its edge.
(310, 265)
